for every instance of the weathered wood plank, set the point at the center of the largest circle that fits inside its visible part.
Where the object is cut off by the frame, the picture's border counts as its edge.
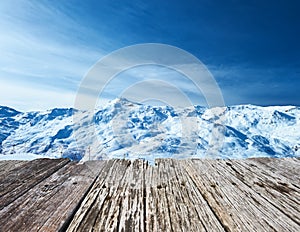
(276, 189)
(173, 196)
(99, 202)
(158, 196)
(238, 207)
(7, 165)
(205, 214)
(131, 199)
(18, 181)
(286, 167)
(122, 209)
(74, 189)
(47, 205)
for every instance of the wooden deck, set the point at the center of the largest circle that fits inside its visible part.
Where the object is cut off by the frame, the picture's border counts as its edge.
(259, 194)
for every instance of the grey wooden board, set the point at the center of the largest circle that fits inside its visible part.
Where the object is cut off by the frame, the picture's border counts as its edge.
(18, 181)
(102, 204)
(175, 195)
(238, 206)
(286, 167)
(49, 204)
(174, 203)
(278, 190)
(7, 165)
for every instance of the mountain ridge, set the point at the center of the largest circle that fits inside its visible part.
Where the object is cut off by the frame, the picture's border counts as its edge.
(124, 129)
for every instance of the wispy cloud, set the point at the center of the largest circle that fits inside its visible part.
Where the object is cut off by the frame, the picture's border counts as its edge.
(27, 97)
(51, 45)
(36, 49)
(147, 81)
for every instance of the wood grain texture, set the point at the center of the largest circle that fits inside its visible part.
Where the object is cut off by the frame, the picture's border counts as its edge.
(50, 203)
(238, 205)
(7, 165)
(172, 195)
(260, 194)
(20, 180)
(281, 192)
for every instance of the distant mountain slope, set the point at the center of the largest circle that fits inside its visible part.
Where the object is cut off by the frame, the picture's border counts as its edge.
(131, 130)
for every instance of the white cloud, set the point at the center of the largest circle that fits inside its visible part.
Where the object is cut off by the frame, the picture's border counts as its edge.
(160, 91)
(39, 47)
(41, 64)
(32, 97)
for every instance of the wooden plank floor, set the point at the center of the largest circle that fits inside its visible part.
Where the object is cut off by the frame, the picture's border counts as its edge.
(260, 194)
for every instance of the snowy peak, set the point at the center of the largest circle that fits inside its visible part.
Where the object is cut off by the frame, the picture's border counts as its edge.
(7, 112)
(126, 129)
(60, 113)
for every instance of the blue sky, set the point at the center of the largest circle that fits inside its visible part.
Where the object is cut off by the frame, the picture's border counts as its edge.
(251, 47)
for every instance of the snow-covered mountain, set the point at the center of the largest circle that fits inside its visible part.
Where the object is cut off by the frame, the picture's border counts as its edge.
(131, 130)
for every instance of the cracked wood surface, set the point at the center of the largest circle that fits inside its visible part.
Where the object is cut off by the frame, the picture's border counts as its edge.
(259, 194)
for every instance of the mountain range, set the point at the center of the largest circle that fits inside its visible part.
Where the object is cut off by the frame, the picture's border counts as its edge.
(124, 129)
